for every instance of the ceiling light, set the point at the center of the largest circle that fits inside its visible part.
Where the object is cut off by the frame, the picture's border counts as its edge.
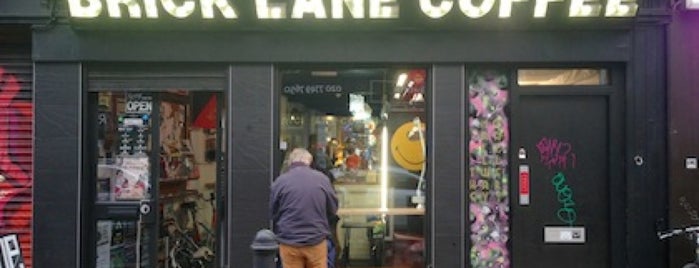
(324, 73)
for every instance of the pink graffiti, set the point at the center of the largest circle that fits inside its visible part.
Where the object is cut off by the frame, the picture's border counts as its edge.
(555, 153)
(15, 180)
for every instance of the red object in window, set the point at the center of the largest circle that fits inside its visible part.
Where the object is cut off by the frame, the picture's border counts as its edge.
(353, 161)
(207, 117)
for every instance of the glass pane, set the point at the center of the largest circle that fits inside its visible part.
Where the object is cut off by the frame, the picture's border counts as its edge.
(366, 129)
(122, 244)
(123, 170)
(560, 77)
(187, 183)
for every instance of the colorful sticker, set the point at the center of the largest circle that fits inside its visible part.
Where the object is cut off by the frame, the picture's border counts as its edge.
(488, 185)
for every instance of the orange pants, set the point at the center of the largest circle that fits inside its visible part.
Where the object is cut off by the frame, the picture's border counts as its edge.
(304, 257)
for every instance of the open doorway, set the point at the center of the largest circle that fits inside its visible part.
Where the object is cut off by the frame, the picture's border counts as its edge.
(366, 129)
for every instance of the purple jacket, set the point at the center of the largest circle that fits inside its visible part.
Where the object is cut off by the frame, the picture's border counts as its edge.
(301, 201)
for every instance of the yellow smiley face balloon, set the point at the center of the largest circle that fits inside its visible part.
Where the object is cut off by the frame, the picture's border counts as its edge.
(406, 147)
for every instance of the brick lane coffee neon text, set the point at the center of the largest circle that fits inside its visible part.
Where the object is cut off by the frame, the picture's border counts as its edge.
(356, 9)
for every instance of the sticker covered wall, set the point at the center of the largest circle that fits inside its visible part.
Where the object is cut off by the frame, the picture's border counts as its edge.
(488, 180)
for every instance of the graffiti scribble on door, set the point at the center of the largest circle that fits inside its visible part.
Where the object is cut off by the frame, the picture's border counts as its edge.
(488, 185)
(555, 153)
(15, 160)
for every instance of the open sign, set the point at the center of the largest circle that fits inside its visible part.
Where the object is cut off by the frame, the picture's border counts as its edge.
(139, 106)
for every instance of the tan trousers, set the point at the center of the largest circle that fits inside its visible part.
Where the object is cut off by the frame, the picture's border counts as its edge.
(304, 257)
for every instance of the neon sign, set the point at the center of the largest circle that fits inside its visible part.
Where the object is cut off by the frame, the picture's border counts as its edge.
(339, 9)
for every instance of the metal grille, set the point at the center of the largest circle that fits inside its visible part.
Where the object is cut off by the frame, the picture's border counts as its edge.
(16, 120)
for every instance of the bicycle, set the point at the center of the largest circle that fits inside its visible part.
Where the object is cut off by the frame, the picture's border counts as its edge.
(190, 243)
(692, 233)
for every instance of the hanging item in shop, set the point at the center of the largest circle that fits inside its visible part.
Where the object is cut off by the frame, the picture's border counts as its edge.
(407, 146)
(410, 86)
(207, 117)
(177, 159)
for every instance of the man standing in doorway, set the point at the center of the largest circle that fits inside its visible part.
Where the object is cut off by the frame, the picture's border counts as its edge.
(301, 201)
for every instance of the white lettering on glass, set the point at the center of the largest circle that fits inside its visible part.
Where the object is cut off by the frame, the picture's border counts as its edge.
(621, 8)
(181, 11)
(541, 7)
(339, 9)
(506, 8)
(355, 8)
(207, 9)
(151, 8)
(581, 8)
(131, 5)
(383, 9)
(265, 10)
(472, 11)
(436, 12)
(314, 7)
(92, 10)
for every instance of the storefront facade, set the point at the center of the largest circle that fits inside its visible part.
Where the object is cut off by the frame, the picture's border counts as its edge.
(542, 127)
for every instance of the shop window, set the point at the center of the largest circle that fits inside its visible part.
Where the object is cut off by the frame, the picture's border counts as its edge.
(157, 149)
(366, 129)
(562, 77)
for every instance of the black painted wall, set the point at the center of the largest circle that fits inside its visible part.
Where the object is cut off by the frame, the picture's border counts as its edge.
(57, 176)
(250, 157)
(683, 55)
(447, 184)
(24, 11)
(646, 121)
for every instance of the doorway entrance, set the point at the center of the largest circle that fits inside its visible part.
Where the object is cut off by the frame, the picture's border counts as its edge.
(155, 168)
(366, 128)
(565, 166)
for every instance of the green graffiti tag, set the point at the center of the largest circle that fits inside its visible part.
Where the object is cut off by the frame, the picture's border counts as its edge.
(566, 213)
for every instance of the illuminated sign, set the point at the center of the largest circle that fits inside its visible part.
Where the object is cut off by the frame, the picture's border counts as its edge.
(340, 9)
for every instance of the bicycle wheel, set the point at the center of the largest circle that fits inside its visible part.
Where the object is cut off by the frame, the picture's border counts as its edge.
(691, 265)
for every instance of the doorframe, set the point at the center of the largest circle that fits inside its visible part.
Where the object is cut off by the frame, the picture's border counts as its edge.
(615, 91)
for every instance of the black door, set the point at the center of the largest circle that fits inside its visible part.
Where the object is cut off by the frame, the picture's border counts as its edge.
(564, 145)
(154, 164)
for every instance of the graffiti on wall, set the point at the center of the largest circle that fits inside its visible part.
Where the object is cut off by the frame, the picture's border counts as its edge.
(11, 252)
(15, 159)
(555, 153)
(559, 155)
(564, 193)
(488, 185)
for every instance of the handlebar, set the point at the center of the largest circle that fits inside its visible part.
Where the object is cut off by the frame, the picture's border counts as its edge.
(692, 230)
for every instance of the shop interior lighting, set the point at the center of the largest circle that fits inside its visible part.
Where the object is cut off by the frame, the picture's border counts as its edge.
(324, 73)
(384, 169)
(401, 80)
